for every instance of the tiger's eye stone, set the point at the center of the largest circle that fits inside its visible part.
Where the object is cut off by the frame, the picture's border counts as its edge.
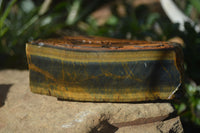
(104, 69)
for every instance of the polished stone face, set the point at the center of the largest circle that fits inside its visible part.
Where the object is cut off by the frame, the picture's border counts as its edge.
(107, 74)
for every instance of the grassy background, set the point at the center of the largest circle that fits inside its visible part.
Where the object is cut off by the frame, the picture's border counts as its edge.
(26, 20)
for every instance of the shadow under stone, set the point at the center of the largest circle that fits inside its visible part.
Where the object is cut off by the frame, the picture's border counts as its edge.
(4, 89)
(104, 127)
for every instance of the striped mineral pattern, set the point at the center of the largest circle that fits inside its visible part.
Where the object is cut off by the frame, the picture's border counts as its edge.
(104, 69)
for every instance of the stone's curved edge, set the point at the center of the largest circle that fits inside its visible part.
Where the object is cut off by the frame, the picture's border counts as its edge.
(92, 43)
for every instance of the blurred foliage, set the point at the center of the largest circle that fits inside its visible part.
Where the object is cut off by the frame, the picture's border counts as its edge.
(189, 107)
(26, 20)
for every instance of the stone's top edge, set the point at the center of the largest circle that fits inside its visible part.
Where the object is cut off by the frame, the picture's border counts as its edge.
(102, 43)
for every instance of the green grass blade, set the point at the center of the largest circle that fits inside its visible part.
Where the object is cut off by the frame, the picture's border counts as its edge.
(1, 3)
(3, 31)
(73, 12)
(5, 14)
(27, 25)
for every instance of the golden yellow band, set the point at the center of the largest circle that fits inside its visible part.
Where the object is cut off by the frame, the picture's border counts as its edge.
(100, 56)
